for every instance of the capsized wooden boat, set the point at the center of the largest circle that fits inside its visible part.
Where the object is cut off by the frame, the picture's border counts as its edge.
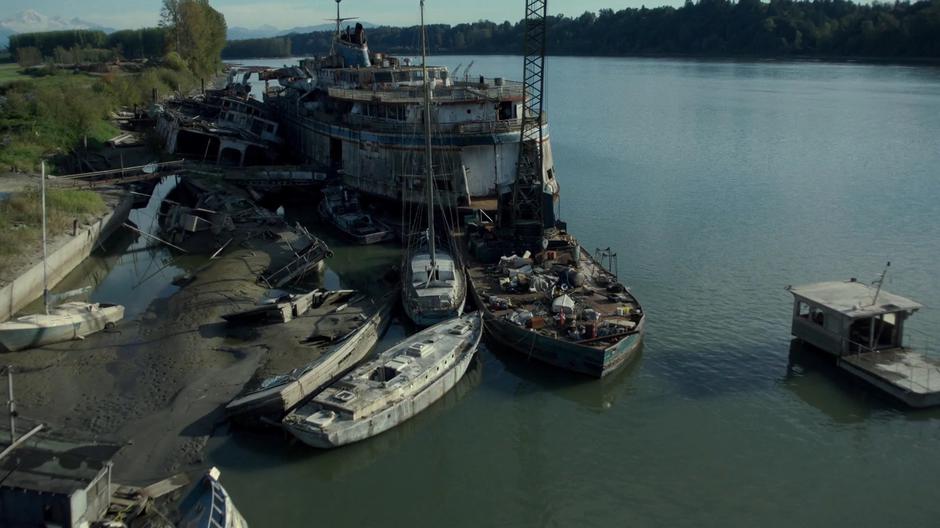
(396, 385)
(357, 324)
(68, 321)
(208, 505)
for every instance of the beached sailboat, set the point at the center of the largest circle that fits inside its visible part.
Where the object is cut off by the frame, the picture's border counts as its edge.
(71, 320)
(434, 286)
(341, 208)
(396, 385)
(358, 322)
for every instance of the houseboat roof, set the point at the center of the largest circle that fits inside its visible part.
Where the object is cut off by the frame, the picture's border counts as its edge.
(854, 299)
(51, 463)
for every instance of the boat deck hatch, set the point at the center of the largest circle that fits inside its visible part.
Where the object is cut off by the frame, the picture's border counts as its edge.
(460, 330)
(344, 396)
(419, 350)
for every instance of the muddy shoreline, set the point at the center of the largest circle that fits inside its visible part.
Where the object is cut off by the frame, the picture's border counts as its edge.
(158, 383)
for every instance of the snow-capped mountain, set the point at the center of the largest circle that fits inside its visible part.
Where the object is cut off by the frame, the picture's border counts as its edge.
(30, 20)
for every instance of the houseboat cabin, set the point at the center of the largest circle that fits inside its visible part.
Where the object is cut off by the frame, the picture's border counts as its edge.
(848, 317)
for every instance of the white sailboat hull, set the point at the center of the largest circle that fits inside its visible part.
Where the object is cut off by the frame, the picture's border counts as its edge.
(73, 320)
(399, 410)
(429, 302)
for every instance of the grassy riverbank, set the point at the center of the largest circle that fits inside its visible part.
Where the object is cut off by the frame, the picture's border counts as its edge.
(55, 113)
(21, 220)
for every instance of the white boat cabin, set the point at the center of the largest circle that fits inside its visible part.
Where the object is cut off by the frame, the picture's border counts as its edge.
(848, 317)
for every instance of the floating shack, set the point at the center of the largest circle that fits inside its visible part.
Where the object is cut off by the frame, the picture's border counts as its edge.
(51, 481)
(863, 327)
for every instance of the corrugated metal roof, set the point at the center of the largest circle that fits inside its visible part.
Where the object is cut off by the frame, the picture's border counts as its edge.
(854, 299)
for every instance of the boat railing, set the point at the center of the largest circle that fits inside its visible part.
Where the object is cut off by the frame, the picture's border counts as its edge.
(919, 371)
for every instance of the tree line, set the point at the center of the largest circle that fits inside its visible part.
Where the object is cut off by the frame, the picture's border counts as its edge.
(190, 28)
(821, 28)
(259, 48)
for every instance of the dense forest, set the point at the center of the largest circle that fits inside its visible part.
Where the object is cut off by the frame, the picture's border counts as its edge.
(129, 43)
(818, 28)
(50, 112)
(190, 28)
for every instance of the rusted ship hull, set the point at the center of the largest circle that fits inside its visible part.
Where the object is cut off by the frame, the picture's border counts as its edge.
(586, 360)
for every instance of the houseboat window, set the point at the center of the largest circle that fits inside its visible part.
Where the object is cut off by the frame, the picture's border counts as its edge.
(803, 310)
(506, 110)
(816, 315)
(383, 77)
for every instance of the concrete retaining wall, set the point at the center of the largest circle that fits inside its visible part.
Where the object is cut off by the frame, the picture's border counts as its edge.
(28, 286)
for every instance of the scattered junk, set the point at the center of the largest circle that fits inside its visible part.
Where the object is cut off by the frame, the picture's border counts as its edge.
(560, 306)
(218, 210)
(222, 127)
(384, 392)
(305, 258)
(283, 309)
(346, 326)
(340, 207)
(127, 139)
(68, 321)
(209, 505)
(863, 328)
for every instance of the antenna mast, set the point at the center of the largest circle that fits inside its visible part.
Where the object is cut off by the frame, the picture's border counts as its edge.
(880, 282)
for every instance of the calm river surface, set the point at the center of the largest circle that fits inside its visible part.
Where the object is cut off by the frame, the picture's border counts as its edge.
(718, 183)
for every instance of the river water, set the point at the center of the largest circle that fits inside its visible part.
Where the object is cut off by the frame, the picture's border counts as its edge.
(718, 184)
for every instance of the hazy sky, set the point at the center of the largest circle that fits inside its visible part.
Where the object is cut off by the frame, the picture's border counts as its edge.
(292, 13)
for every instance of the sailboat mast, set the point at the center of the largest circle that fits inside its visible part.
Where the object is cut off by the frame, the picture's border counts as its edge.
(45, 278)
(427, 138)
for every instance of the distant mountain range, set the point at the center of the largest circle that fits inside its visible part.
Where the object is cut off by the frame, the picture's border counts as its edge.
(30, 20)
(240, 33)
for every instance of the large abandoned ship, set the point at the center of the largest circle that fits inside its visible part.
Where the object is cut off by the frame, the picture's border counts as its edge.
(360, 114)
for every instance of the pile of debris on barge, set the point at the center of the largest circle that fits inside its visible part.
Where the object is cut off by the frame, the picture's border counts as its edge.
(560, 306)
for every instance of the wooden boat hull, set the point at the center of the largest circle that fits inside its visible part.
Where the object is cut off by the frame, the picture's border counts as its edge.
(209, 505)
(399, 412)
(30, 331)
(273, 403)
(586, 360)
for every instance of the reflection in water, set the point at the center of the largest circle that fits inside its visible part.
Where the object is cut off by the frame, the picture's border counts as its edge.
(529, 376)
(130, 269)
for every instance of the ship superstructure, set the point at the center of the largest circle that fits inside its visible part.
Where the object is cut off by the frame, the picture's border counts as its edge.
(360, 114)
